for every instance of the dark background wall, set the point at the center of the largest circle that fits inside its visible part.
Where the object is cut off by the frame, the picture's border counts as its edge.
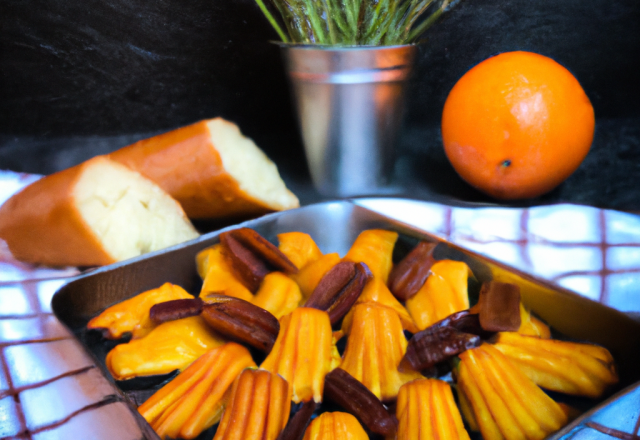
(80, 78)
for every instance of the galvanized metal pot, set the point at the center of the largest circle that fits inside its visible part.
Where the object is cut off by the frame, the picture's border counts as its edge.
(349, 103)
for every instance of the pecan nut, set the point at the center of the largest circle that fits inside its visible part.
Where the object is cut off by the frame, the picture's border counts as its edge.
(246, 266)
(297, 424)
(241, 321)
(252, 257)
(262, 248)
(344, 390)
(432, 346)
(408, 276)
(339, 289)
(331, 284)
(464, 321)
(175, 309)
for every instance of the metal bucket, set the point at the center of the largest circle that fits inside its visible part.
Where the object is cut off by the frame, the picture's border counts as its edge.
(349, 102)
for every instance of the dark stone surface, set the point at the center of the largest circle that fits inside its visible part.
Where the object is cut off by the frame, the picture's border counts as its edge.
(84, 78)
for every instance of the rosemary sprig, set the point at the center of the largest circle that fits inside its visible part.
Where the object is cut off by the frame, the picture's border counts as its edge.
(273, 21)
(353, 22)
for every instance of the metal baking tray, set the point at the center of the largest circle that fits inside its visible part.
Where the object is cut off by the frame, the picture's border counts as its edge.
(334, 226)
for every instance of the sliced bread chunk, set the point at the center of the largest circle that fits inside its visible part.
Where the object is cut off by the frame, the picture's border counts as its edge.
(212, 169)
(95, 213)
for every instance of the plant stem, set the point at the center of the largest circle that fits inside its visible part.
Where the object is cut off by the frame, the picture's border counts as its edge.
(315, 22)
(355, 22)
(330, 24)
(340, 20)
(273, 21)
(351, 13)
(396, 29)
(361, 15)
(426, 24)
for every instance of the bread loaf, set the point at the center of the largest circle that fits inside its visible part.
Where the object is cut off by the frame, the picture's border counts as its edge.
(95, 213)
(212, 170)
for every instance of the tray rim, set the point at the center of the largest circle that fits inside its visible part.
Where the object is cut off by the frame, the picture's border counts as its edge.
(351, 202)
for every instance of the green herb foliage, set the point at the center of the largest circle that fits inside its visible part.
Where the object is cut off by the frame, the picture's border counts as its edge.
(352, 22)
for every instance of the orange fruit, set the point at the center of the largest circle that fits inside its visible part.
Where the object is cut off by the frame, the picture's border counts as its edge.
(517, 125)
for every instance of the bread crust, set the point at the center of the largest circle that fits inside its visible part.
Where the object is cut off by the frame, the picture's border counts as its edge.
(186, 164)
(41, 223)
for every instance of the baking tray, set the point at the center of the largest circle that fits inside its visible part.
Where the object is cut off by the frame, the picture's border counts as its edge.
(334, 226)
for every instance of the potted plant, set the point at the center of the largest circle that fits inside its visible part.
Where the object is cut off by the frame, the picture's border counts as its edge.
(348, 61)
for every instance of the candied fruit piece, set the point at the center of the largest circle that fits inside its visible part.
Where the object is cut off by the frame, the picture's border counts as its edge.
(194, 400)
(532, 326)
(219, 277)
(132, 315)
(567, 367)
(258, 408)
(375, 291)
(335, 426)
(504, 402)
(278, 294)
(426, 410)
(374, 350)
(202, 260)
(309, 276)
(374, 247)
(444, 293)
(299, 248)
(173, 345)
(408, 276)
(303, 353)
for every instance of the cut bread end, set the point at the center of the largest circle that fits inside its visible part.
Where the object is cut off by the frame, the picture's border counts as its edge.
(254, 172)
(128, 214)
